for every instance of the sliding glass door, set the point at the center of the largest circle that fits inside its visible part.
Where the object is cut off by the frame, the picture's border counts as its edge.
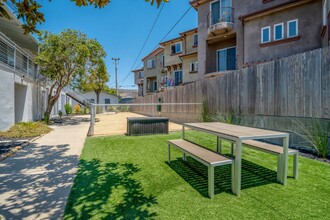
(226, 59)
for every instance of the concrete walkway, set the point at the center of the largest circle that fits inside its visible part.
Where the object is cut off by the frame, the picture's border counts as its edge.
(35, 183)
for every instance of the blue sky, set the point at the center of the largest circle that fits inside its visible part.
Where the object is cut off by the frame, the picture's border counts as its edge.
(121, 27)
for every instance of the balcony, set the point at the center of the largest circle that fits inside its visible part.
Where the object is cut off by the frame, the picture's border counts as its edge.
(16, 58)
(220, 22)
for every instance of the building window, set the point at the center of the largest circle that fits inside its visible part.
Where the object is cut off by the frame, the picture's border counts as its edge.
(278, 31)
(195, 40)
(154, 86)
(106, 101)
(226, 59)
(163, 61)
(140, 75)
(265, 34)
(178, 77)
(176, 48)
(193, 66)
(293, 28)
(151, 64)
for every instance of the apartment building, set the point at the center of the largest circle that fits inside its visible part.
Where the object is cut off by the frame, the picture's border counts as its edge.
(23, 92)
(138, 80)
(153, 66)
(325, 33)
(180, 59)
(233, 34)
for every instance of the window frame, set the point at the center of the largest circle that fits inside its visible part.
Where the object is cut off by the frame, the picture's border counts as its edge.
(274, 29)
(151, 66)
(181, 81)
(195, 41)
(217, 57)
(105, 101)
(195, 65)
(269, 35)
(288, 28)
(174, 44)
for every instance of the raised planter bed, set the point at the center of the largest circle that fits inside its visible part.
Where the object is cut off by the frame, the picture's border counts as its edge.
(147, 125)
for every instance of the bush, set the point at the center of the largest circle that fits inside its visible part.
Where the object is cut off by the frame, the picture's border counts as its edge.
(205, 111)
(26, 129)
(316, 134)
(77, 109)
(60, 113)
(229, 118)
(46, 118)
(68, 109)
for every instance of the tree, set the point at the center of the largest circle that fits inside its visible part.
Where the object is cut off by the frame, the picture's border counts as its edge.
(96, 77)
(29, 10)
(62, 58)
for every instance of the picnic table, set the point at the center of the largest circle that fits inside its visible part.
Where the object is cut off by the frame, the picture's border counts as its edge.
(239, 134)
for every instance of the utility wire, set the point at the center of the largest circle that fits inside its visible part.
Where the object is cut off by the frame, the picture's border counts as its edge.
(186, 12)
(145, 42)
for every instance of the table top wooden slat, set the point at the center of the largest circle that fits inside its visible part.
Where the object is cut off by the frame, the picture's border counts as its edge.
(236, 131)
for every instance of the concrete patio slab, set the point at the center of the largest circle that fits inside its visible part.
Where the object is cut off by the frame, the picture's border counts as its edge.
(36, 182)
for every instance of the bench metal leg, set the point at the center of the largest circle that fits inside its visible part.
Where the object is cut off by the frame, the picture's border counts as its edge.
(219, 145)
(295, 165)
(279, 168)
(169, 153)
(184, 157)
(211, 181)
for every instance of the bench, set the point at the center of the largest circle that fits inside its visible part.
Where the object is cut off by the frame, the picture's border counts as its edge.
(269, 148)
(205, 156)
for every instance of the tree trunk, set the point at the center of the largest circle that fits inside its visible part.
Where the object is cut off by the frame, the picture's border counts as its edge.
(97, 97)
(51, 102)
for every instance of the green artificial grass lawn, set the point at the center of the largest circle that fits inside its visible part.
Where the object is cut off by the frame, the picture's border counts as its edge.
(124, 177)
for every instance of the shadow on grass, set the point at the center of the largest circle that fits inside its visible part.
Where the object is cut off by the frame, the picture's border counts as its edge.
(195, 174)
(109, 191)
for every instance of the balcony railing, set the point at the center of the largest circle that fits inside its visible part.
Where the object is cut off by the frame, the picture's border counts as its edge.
(226, 14)
(16, 58)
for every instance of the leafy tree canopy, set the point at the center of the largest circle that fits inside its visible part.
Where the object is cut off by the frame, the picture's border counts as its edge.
(29, 10)
(66, 56)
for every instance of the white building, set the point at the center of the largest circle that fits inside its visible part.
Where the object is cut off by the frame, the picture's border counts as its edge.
(23, 92)
(105, 98)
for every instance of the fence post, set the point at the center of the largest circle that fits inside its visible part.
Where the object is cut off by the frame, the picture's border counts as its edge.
(92, 120)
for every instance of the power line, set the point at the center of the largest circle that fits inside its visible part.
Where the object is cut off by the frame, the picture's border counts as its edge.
(184, 14)
(145, 42)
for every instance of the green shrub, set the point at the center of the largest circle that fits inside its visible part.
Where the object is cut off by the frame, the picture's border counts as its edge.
(206, 114)
(46, 118)
(68, 109)
(316, 134)
(26, 129)
(229, 118)
(60, 113)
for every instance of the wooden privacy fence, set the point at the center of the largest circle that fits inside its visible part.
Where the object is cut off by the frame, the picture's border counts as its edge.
(297, 86)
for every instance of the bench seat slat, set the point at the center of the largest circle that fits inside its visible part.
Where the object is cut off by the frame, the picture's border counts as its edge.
(267, 147)
(200, 152)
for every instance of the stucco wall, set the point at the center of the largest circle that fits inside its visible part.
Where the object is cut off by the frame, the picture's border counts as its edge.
(309, 15)
(18, 98)
(153, 72)
(113, 99)
(187, 76)
(7, 101)
(309, 28)
(173, 59)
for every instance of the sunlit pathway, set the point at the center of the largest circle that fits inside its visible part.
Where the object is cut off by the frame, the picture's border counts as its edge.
(36, 182)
